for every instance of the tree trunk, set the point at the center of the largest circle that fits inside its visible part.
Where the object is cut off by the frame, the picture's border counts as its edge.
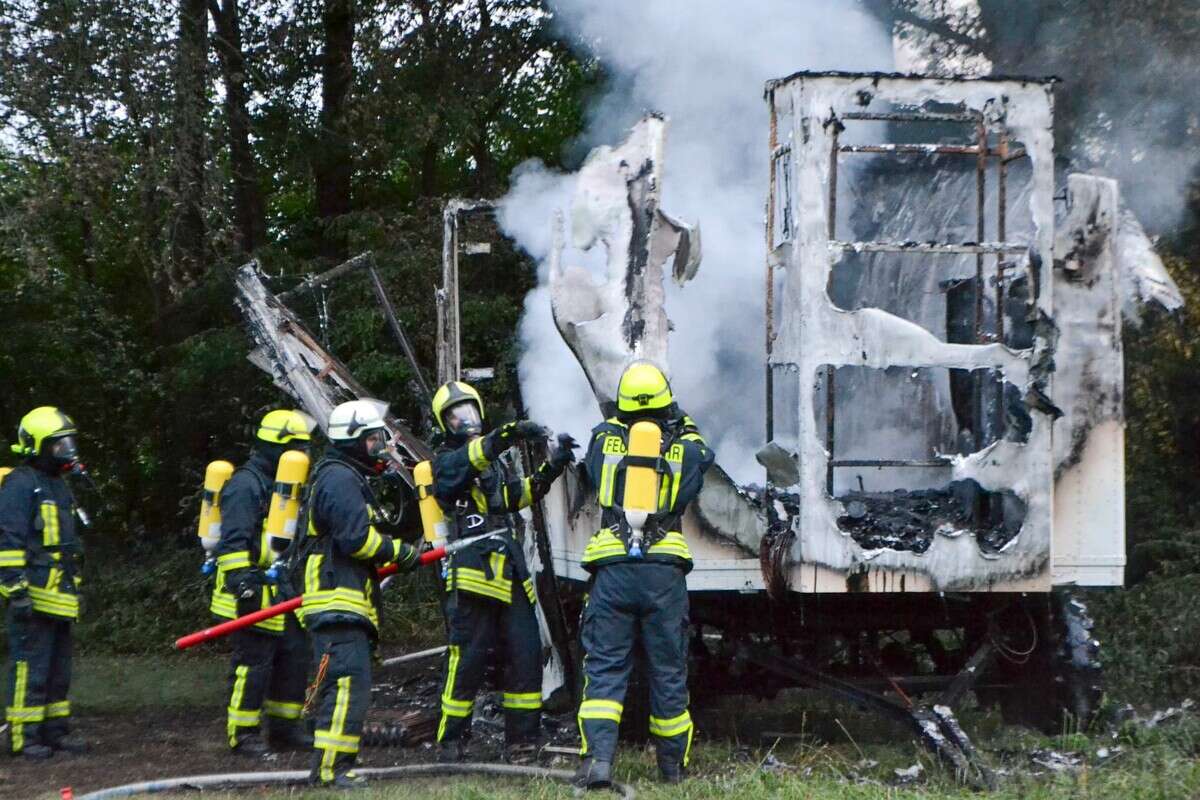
(187, 230)
(332, 160)
(248, 208)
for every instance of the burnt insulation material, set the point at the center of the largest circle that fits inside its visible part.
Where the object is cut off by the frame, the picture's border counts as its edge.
(909, 520)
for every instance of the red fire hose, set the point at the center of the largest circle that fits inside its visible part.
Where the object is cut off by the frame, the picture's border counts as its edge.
(217, 631)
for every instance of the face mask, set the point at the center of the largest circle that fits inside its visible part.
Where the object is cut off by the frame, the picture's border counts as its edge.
(64, 451)
(375, 444)
(463, 419)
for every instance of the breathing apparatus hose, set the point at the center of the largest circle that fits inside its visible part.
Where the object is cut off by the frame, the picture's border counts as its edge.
(299, 777)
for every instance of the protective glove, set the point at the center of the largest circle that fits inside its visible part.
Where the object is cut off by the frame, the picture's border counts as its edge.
(563, 455)
(406, 557)
(560, 458)
(509, 434)
(20, 605)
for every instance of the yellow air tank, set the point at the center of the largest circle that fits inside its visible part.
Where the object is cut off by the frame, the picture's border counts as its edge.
(4, 474)
(215, 476)
(641, 480)
(433, 521)
(290, 476)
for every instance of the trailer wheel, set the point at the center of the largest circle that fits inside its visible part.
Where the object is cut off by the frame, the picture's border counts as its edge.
(1059, 684)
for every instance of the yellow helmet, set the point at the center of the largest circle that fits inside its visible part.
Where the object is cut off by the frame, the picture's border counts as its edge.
(44, 422)
(643, 387)
(450, 395)
(283, 426)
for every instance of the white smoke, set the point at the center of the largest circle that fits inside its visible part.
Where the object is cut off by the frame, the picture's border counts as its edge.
(703, 63)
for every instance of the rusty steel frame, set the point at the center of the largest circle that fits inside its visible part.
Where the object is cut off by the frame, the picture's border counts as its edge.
(1002, 154)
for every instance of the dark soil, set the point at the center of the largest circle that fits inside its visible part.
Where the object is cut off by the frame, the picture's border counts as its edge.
(151, 744)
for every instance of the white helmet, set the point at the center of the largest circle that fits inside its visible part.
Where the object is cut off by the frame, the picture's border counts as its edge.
(352, 419)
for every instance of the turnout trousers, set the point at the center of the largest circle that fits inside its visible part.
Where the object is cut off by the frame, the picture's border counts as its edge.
(342, 653)
(636, 604)
(39, 676)
(475, 622)
(269, 673)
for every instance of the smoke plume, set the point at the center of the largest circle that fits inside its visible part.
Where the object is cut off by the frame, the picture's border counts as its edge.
(703, 63)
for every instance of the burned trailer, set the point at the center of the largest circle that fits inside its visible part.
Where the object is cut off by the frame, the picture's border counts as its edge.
(944, 425)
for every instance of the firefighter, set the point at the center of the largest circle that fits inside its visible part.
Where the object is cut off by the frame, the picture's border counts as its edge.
(270, 659)
(489, 587)
(39, 576)
(637, 592)
(335, 567)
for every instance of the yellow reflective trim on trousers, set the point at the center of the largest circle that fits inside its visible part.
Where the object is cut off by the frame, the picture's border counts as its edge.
(670, 727)
(450, 706)
(50, 529)
(601, 709)
(280, 710)
(338, 744)
(528, 701)
(334, 740)
(12, 558)
(236, 716)
(58, 710)
(20, 683)
(475, 454)
(237, 560)
(369, 547)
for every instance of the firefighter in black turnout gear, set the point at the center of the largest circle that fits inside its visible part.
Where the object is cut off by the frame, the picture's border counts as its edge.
(335, 563)
(489, 587)
(638, 560)
(39, 577)
(270, 659)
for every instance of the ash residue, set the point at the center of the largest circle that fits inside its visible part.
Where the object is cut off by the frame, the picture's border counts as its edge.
(909, 520)
(405, 708)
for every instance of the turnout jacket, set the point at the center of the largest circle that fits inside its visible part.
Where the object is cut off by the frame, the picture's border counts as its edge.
(478, 494)
(244, 552)
(342, 548)
(684, 459)
(39, 543)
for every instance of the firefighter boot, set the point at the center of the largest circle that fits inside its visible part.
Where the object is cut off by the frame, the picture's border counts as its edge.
(593, 774)
(451, 752)
(251, 745)
(36, 752)
(523, 753)
(289, 735)
(671, 771)
(69, 743)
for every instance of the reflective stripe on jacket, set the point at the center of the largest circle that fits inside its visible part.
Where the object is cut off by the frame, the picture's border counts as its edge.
(243, 553)
(479, 495)
(39, 542)
(684, 459)
(343, 548)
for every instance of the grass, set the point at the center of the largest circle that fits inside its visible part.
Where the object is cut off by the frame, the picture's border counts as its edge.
(125, 684)
(1163, 768)
(824, 758)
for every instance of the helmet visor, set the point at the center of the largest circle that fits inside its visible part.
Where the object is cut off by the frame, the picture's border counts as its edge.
(463, 418)
(376, 442)
(64, 449)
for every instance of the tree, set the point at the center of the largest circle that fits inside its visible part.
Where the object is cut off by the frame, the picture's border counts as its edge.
(249, 210)
(188, 235)
(332, 160)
